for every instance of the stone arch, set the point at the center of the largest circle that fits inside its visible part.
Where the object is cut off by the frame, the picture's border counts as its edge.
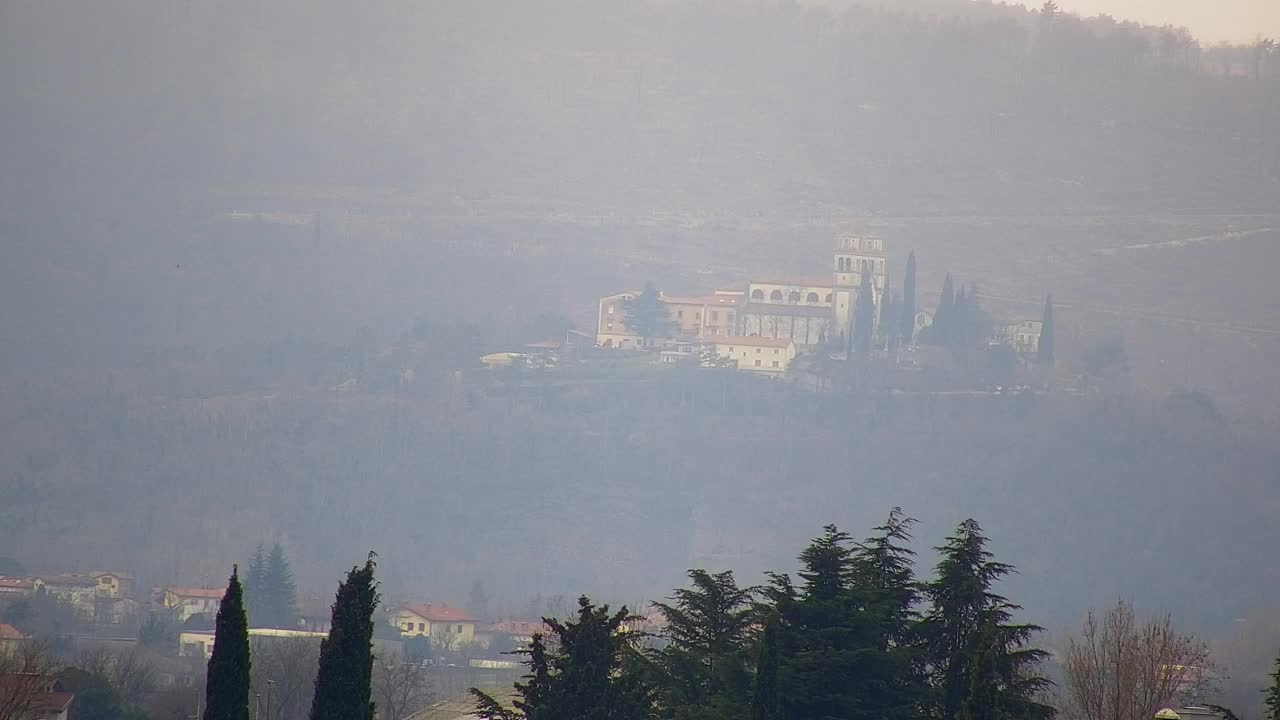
(757, 294)
(813, 298)
(776, 296)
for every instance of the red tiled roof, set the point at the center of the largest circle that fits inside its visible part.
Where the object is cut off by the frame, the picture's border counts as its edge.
(9, 632)
(749, 341)
(544, 345)
(15, 583)
(51, 702)
(195, 592)
(759, 308)
(70, 579)
(438, 613)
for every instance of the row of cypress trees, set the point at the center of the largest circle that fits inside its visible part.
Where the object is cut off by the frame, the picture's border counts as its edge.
(346, 657)
(857, 637)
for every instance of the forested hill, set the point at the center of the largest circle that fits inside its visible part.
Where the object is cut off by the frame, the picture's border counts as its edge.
(617, 487)
(589, 107)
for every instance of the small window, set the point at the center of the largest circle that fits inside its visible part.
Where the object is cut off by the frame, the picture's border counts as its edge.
(775, 363)
(828, 297)
(813, 298)
(610, 309)
(776, 296)
(679, 314)
(757, 351)
(697, 316)
(757, 294)
(757, 363)
(459, 629)
(731, 348)
(422, 627)
(408, 627)
(775, 351)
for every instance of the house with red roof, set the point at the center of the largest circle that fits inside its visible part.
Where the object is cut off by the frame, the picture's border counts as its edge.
(447, 627)
(14, 588)
(10, 638)
(188, 601)
(511, 634)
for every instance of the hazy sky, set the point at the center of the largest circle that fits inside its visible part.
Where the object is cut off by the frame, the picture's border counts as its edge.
(1209, 20)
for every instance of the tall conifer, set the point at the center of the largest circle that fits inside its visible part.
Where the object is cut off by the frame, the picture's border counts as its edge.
(940, 331)
(346, 656)
(907, 310)
(766, 702)
(280, 596)
(1045, 352)
(1272, 700)
(255, 584)
(226, 692)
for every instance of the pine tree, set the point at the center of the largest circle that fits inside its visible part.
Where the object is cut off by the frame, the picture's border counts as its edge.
(907, 311)
(280, 595)
(1045, 351)
(591, 674)
(766, 702)
(646, 314)
(824, 642)
(346, 656)
(884, 580)
(226, 693)
(1272, 700)
(255, 586)
(969, 626)
(703, 670)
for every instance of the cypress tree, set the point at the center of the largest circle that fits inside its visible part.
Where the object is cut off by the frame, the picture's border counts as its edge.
(864, 314)
(1045, 351)
(226, 693)
(907, 312)
(888, 325)
(280, 595)
(766, 702)
(940, 331)
(346, 656)
(1272, 700)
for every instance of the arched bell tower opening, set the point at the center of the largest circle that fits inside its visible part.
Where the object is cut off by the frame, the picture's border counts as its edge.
(852, 255)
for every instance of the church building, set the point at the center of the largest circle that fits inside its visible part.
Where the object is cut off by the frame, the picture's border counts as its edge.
(807, 311)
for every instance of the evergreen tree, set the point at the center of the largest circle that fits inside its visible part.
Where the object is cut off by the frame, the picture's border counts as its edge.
(226, 693)
(907, 311)
(1272, 700)
(939, 331)
(1045, 352)
(887, 324)
(884, 580)
(703, 671)
(280, 596)
(346, 657)
(590, 675)
(824, 642)
(766, 701)
(864, 314)
(255, 586)
(646, 314)
(968, 626)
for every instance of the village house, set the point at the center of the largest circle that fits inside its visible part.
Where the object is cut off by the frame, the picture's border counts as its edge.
(447, 627)
(764, 355)
(187, 601)
(510, 634)
(42, 695)
(806, 311)
(16, 588)
(10, 638)
(78, 590)
(1023, 336)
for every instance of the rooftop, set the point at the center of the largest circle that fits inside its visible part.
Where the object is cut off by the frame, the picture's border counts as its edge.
(438, 613)
(726, 300)
(197, 592)
(813, 282)
(9, 632)
(519, 627)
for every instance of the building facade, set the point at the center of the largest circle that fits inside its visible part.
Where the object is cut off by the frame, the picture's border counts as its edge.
(447, 627)
(806, 311)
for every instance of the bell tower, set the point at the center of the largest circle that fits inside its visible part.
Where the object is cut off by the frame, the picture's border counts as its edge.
(853, 255)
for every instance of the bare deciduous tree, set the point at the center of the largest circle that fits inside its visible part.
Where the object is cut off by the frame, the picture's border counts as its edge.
(401, 688)
(284, 675)
(25, 674)
(1121, 668)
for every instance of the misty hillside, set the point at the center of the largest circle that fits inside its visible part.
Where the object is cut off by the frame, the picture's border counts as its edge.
(231, 227)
